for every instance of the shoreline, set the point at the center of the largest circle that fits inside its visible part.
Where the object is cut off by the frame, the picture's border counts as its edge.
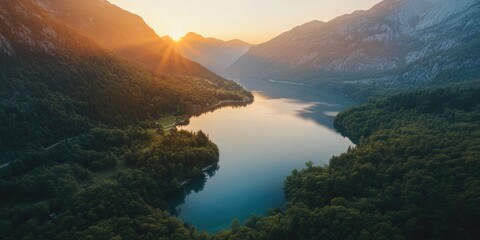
(224, 103)
(185, 120)
(203, 171)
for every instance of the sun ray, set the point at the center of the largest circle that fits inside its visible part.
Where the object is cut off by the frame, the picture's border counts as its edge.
(176, 36)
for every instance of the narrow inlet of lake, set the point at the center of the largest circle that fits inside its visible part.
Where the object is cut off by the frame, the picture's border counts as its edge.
(260, 145)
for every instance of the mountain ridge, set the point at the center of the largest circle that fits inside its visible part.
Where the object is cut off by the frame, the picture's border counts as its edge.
(213, 53)
(45, 61)
(395, 43)
(123, 33)
(193, 35)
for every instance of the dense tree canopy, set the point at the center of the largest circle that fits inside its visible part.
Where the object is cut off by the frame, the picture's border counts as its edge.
(414, 174)
(103, 184)
(83, 155)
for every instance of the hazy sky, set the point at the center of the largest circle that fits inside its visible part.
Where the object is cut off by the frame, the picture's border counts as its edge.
(255, 21)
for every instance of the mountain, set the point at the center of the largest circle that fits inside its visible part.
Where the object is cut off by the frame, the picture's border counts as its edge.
(395, 43)
(51, 72)
(122, 32)
(212, 53)
(84, 152)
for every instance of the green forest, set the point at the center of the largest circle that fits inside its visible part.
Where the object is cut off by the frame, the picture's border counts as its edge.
(52, 98)
(84, 155)
(107, 182)
(413, 174)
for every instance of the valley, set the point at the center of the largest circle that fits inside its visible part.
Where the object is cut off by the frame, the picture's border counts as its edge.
(364, 125)
(256, 155)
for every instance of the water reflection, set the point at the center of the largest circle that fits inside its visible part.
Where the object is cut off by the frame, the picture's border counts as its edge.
(325, 104)
(260, 145)
(194, 185)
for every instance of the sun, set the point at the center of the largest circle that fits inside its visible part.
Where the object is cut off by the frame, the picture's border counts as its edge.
(176, 36)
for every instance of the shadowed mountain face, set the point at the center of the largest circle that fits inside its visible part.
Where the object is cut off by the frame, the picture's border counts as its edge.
(123, 33)
(212, 53)
(397, 42)
(27, 31)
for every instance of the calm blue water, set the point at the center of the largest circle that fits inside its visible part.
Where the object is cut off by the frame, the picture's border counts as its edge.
(260, 145)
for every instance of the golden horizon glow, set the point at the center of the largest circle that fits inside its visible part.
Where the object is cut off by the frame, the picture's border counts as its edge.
(176, 35)
(248, 20)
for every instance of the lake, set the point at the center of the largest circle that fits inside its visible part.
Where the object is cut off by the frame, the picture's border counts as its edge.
(260, 145)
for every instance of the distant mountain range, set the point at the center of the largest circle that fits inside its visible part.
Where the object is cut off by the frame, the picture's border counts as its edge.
(212, 53)
(396, 43)
(122, 32)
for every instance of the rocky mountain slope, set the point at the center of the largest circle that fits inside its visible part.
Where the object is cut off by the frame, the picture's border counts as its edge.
(395, 43)
(123, 33)
(212, 53)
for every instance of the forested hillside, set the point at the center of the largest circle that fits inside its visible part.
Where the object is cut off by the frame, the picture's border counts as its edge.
(54, 82)
(414, 174)
(83, 151)
(107, 183)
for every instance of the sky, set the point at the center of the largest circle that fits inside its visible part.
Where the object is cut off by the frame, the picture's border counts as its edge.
(254, 21)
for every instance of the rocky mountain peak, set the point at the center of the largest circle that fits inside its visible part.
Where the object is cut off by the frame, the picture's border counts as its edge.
(394, 41)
